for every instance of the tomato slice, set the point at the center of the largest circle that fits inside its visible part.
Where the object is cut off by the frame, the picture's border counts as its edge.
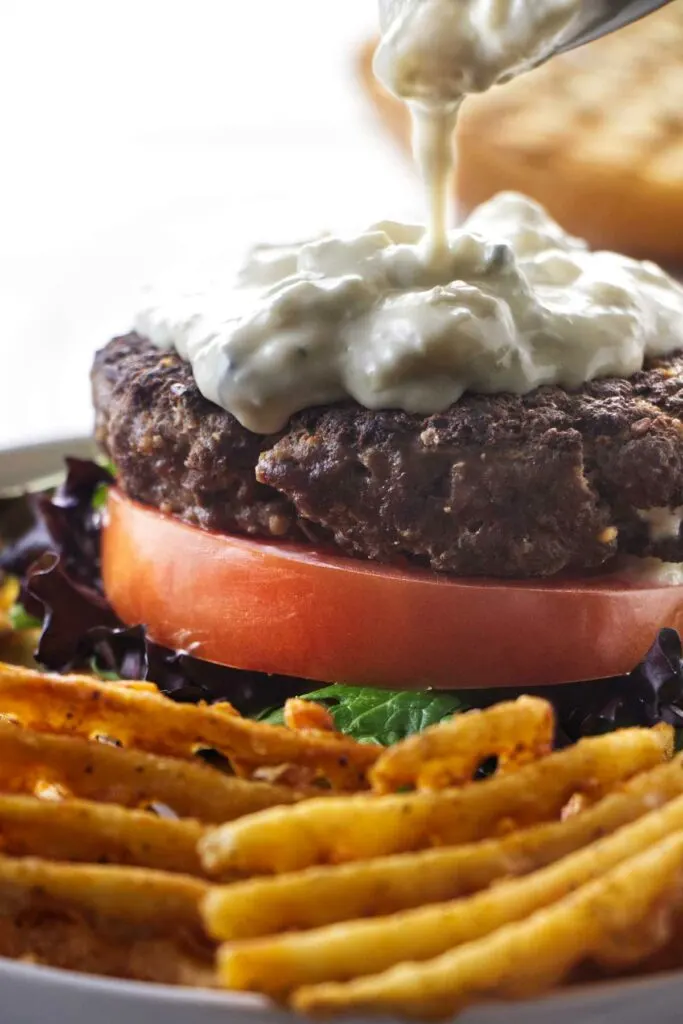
(294, 610)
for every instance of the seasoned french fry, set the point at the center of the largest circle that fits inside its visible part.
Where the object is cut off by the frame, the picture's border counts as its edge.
(79, 830)
(668, 958)
(338, 952)
(354, 828)
(617, 919)
(98, 771)
(303, 714)
(320, 896)
(128, 922)
(46, 935)
(397, 889)
(154, 901)
(516, 732)
(139, 717)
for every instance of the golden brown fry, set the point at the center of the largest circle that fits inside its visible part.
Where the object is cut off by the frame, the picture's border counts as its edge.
(138, 717)
(98, 771)
(45, 934)
(143, 911)
(668, 958)
(320, 896)
(128, 922)
(338, 952)
(620, 918)
(516, 732)
(303, 714)
(79, 830)
(354, 828)
(155, 901)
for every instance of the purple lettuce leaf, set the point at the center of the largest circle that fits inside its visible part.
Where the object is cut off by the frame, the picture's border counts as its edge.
(58, 560)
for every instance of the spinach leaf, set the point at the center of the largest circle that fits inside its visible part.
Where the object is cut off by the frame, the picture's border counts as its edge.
(381, 716)
(273, 716)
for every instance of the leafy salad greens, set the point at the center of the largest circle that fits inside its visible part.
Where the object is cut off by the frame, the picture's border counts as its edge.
(381, 716)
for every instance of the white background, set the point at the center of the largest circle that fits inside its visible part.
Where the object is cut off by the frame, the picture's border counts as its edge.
(141, 137)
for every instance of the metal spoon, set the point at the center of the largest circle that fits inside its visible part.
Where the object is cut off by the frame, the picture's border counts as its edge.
(594, 18)
(600, 17)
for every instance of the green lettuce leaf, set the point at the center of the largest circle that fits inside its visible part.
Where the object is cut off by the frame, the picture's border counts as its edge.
(99, 498)
(381, 716)
(102, 673)
(20, 619)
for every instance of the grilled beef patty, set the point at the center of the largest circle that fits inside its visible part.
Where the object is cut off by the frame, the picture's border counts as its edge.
(498, 485)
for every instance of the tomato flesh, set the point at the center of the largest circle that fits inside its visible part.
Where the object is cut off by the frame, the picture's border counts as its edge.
(293, 610)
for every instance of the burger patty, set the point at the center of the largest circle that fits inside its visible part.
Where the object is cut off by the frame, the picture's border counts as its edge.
(499, 485)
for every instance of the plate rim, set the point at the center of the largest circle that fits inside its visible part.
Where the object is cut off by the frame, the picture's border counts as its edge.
(59, 444)
(156, 993)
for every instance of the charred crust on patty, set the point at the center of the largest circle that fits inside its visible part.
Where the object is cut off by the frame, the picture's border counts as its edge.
(498, 485)
(177, 451)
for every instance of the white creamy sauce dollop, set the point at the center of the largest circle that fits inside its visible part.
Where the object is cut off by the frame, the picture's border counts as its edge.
(649, 572)
(433, 53)
(662, 523)
(410, 318)
(437, 51)
(513, 303)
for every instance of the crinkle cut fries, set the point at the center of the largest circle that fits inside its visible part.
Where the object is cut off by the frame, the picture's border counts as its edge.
(325, 873)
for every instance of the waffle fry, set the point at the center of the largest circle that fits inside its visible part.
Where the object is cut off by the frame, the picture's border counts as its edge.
(154, 900)
(99, 865)
(321, 896)
(141, 717)
(105, 852)
(618, 919)
(350, 950)
(78, 830)
(35, 762)
(125, 921)
(302, 714)
(342, 829)
(516, 732)
(44, 935)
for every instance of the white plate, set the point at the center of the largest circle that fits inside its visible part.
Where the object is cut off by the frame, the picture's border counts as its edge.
(40, 995)
(33, 461)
